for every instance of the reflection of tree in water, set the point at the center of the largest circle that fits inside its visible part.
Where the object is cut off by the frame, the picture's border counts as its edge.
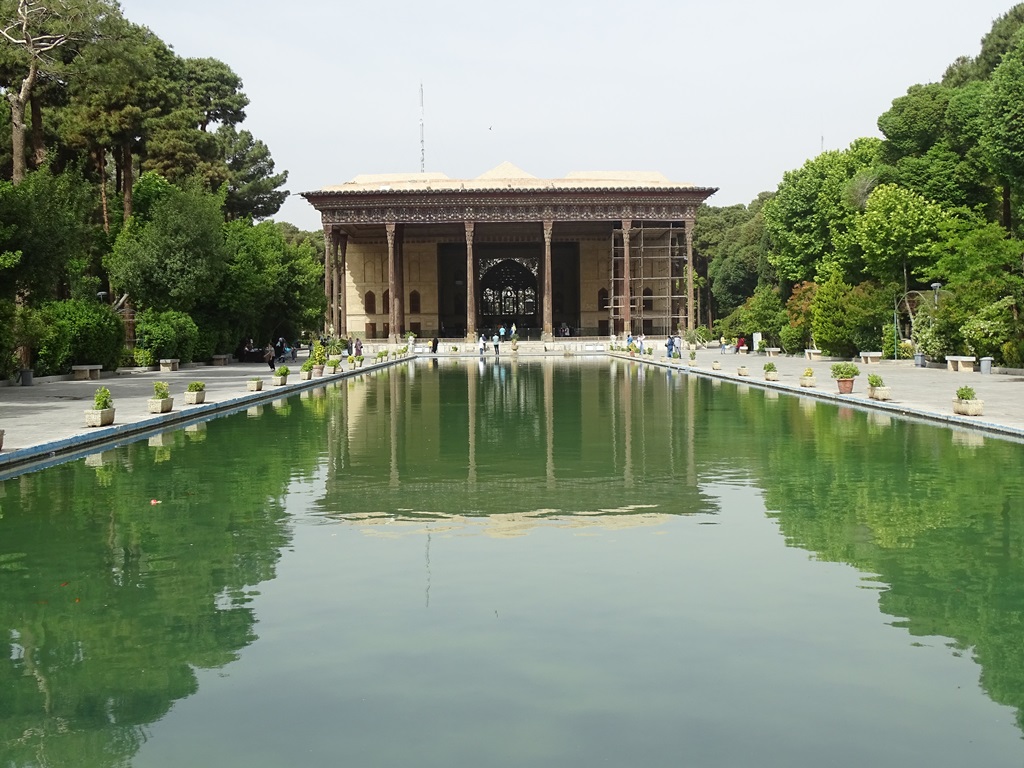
(110, 602)
(938, 519)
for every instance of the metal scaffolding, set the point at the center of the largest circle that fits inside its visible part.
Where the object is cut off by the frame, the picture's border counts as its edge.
(657, 279)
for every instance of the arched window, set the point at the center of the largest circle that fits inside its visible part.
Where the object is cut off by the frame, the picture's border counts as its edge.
(387, 303)
(414, 303)
(602, 300)
(648, 300)
(370, 303)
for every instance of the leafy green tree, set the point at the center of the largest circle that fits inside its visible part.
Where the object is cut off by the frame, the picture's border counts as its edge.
(810, 219)
(175, 257)
(895, 233)
(253, 187)
(214, 92)
(1003, 137)
(976, 260)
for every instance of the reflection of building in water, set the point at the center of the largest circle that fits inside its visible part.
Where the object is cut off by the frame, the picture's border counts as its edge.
(468, 433)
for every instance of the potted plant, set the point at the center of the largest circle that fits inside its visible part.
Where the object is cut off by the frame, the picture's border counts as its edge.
(844, 374)
(808, 380)
(161, 402)
(255, 384)
(742, 371)
(319, 357)
(332, 365)
(102, 412)
(454, 349)
(716, 365)
(280, 377)
(515, 342)
(306, 370)
(334, 349)
(195, 393)
(351, 362)
(693, 356)
(877, 389)
(771, 373)
(966, 403)
(359, 361)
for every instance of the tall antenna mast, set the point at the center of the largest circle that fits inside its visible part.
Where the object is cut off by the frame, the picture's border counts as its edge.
(423, 146)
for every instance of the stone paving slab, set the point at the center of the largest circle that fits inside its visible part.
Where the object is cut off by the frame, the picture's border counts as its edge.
(47, 420)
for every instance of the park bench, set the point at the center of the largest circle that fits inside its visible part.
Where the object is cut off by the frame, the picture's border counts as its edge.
(870, 357)
(772, 351)
(220, 359)
(169, 364)
(86, 372)
(963, 363)
(812, 354)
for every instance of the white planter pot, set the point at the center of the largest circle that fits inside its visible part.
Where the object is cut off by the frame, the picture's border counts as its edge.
(255, 385)
(742, 371)
(880, 393)
(195, 398)
(771, 375)
(160, 404)
(279, 381)
(808, 381)
(969, 407)
(102, 418)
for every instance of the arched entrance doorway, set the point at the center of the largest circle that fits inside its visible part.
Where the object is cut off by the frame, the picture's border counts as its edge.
(508, 293)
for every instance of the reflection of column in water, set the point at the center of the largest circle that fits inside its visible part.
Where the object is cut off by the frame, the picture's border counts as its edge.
(627, 428)
(394, 412)
(471, 385)
(549, 419)
(691, 433)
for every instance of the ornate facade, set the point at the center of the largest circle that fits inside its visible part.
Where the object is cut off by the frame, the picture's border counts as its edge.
(437, 256)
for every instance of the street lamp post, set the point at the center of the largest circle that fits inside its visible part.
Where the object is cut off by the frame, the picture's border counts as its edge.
(935, 292)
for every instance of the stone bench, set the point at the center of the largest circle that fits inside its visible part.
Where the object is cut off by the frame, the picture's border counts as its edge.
(964, 363)
(219, 360)
(86, 372)
(870, 357)
(169, 364)
(812, 354)
(772, 351)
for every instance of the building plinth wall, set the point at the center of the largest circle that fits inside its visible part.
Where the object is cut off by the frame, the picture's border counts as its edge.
(426, 254)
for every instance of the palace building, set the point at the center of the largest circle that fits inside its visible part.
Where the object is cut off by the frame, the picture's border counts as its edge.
(424, 253)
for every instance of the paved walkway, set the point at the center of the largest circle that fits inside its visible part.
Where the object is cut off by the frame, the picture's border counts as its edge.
(46, 420)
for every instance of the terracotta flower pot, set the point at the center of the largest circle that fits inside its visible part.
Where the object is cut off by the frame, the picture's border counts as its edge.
(845, 386)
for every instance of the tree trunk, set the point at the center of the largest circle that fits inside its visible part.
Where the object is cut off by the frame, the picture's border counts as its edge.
(38, 145)
(127, 178)
(101, 164)
(17, 138)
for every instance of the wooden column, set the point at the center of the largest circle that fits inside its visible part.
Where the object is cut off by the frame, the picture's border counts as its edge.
(691, 317)
(392, 282)
(398, 297)
(470, 284)
(627, 299)
(341, 286)
(548, 330)
(329, 251)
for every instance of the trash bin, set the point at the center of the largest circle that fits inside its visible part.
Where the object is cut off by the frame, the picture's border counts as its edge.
(26, 377)
(919, 359)
(986, 365)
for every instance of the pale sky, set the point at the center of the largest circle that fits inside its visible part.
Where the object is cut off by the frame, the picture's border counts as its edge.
(719, 93)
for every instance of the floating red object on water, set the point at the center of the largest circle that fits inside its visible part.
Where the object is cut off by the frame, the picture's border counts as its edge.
(154, 501)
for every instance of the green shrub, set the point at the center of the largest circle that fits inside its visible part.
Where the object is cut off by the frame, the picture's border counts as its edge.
(1013, 353)
(167, 334)
(793, 338)
(770, 368)
(282, 370)
(196, 386)
(79, 332)
(161, 390)
(905, 351)
(874, 380)
(307, 365)
(102, 399)
(965, 393)
(127, 359)
(144, 358)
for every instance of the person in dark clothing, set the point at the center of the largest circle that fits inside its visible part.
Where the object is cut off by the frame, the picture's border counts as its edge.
(433, 345)
(269, 355)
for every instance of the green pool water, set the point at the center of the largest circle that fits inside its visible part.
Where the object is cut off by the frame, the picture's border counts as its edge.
(558, 563)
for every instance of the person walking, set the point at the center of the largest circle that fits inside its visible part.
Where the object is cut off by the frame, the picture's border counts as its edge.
(483, 345)
(496, 340)
(269, 355)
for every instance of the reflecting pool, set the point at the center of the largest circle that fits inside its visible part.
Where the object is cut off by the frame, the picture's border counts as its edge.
(558, 563)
